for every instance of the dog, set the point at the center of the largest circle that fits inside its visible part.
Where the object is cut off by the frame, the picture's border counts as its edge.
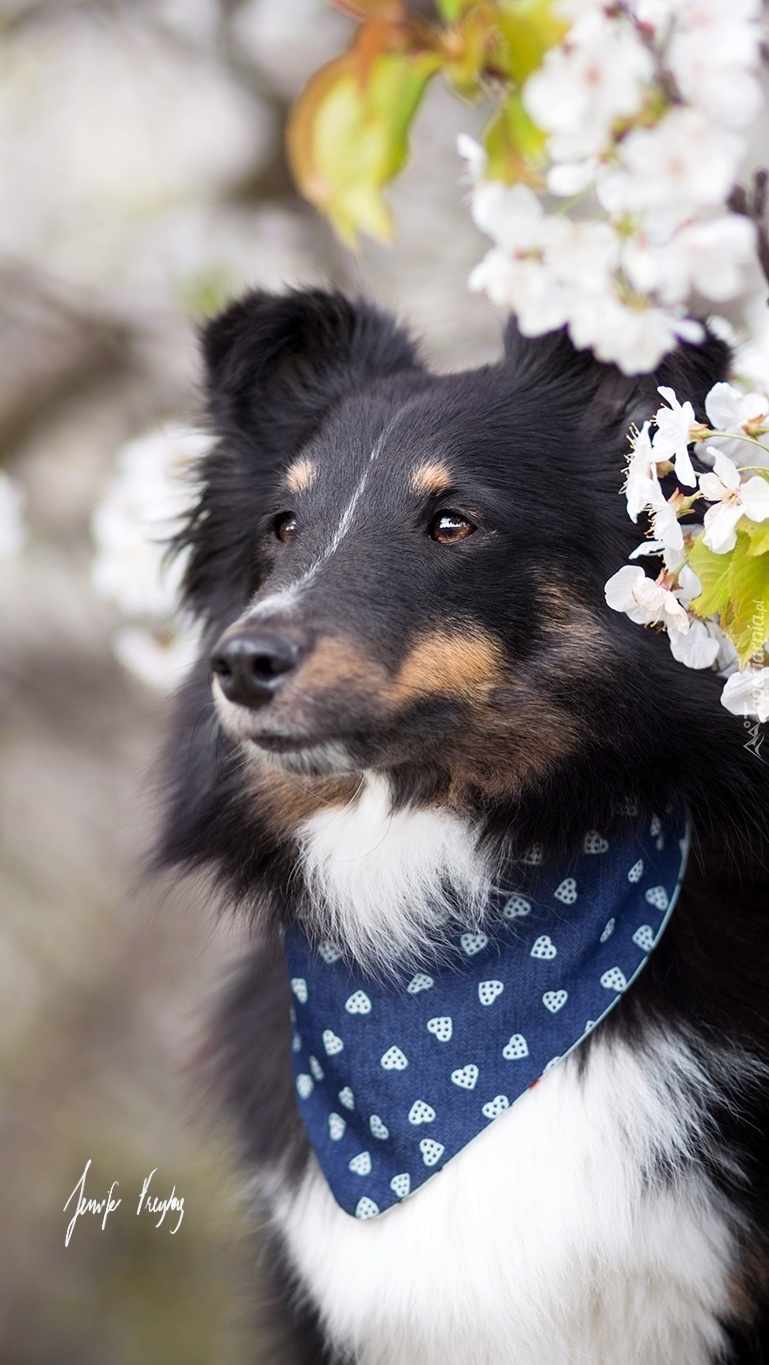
(412, 697)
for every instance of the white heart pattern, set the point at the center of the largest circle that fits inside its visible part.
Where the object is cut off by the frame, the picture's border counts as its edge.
(534, 855)
(401, 1184)
(336, 1127)
(358, 1003)
(497, 1106)
(316, 1069)
(421, 1112)
(465, 1076)
(378, 1128)
(553, 1062)
(636, 872)
(441, 1027)
(516, 1048)
(658, 897)
(305, 1086)
(347, 1098)
(544, 948)
(655, 827)
(366, 1208)
(555, 1000)
(329, 953)
(614, 980)
(331, 1042)
(360, 1164)
(516, 907)
(473, 943)
(567, 891)
(644, 938)
(595, 842)
(607, 930)
(420, 982)
(431, 1151)
(299, 987)
(394, 1060)
(489, 990)
(296, 1043)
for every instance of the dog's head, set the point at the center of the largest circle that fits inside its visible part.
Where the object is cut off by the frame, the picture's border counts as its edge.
(404, 571)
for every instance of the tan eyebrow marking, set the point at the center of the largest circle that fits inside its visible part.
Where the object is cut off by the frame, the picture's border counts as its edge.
(301, 475)
(431, 477)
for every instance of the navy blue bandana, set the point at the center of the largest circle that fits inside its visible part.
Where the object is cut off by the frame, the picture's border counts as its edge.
(394, 1080)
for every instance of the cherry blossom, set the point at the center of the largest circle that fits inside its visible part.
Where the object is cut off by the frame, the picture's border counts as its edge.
(675, 427)
(746, 414)
(644, 601)
(695, 648)
(747, 694)
(734, 499)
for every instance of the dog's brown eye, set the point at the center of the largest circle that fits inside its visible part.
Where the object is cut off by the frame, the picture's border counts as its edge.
(284, 525)
(448, 527)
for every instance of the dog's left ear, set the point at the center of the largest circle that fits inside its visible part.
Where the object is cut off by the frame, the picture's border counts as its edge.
(608, 398)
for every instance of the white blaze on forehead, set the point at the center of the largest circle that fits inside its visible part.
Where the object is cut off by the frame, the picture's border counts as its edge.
(289, 594)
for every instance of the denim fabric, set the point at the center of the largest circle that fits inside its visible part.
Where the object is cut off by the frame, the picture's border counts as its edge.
(394, 1079)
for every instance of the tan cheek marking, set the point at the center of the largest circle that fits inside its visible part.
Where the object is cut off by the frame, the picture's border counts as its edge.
(335, 661)
(450, 662)
(301, 475)
(431, 477)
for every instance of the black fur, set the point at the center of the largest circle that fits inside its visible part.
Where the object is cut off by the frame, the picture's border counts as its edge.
(539, 442)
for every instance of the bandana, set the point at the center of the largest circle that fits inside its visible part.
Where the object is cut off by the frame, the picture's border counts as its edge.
(394, 1079)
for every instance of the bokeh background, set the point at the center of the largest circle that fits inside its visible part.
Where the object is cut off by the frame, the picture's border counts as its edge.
(142, 183)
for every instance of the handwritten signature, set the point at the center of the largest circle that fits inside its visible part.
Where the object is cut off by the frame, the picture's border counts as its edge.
(148, 1203)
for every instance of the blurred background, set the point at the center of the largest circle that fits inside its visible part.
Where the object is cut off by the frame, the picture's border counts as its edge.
(143, 183)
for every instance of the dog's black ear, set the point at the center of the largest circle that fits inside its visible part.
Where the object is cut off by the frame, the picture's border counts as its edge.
(278, 362)
(551, 366)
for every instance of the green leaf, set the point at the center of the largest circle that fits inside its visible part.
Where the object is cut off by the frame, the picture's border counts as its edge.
(759, 536)
(714, 572)
(530, 28)
(348, 135)
(514, 143)
(748, 620)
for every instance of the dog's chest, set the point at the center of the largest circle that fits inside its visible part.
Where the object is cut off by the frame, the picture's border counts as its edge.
(547, 1240)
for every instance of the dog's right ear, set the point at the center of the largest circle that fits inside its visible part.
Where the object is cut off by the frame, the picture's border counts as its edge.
(277, 362)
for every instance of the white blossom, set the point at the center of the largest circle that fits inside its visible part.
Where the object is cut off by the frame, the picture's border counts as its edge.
(139, 512)
(674, 435)
(729, 409)
(734, 499)
(709, 257)
(12, 532)
(695, 647)
(666, 172)
(714, 65)
(644, 601)
(597, 76)
(747, 694)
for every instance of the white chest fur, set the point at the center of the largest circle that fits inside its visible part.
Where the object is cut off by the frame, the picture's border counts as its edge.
(546, 1241)
(378, 878)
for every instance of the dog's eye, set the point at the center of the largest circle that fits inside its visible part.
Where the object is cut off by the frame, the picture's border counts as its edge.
(284, 525)
(448, 527)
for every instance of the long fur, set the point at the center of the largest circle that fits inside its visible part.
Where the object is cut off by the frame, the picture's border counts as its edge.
(452, 705)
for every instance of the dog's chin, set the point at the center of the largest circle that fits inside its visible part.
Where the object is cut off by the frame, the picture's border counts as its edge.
(313, 759)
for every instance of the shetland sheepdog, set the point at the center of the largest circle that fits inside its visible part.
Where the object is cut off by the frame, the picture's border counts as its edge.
(410, 675)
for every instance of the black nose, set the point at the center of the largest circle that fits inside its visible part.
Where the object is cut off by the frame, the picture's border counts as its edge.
(251, 667)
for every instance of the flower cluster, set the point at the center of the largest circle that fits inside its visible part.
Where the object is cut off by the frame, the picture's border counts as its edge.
(131, 527)
(712, 593)
(645, 107)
